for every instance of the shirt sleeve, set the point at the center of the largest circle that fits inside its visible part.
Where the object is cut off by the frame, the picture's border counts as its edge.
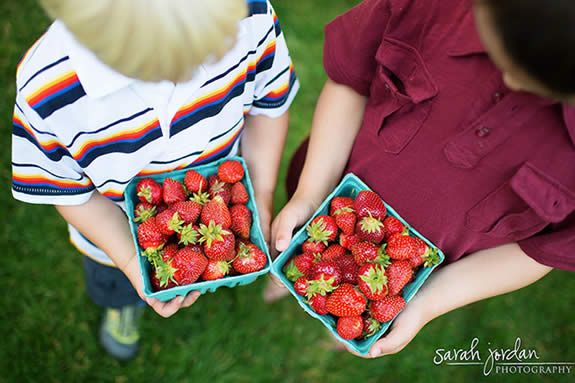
(276, 83)
(43, 171)
(351, 42)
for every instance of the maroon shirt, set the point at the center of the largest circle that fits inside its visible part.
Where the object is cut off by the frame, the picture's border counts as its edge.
(469, 163)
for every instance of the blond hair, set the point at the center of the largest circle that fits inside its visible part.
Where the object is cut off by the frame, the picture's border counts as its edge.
(152, 40)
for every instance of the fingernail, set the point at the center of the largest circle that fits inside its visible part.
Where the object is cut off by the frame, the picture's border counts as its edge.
(281, 244)
(375, 353)
(181, 299)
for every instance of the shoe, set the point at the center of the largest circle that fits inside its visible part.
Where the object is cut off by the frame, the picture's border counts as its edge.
(119, 332)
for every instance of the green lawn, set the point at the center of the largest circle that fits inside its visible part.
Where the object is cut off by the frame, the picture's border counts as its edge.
(48, 325)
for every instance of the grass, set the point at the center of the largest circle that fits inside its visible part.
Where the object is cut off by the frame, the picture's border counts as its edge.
(49, 325)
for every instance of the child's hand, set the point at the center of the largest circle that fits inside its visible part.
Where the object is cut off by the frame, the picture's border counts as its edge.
(294, 214)
(264, 203)
(165, 309)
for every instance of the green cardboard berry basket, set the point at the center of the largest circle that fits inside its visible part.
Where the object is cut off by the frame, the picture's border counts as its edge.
(349, 187)
(256, 235)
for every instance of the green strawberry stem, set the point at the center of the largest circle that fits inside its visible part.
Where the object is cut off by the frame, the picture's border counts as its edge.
(211, 233)
(189, 235)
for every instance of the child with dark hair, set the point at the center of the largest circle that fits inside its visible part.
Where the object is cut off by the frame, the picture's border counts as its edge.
(415, 106)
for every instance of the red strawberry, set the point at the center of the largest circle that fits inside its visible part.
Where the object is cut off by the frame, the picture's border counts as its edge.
(195, 182)
(387, 308)
(393, 225)
(346, 219)
(424, 255)
(299, 266)
(150, 236)
(219, 188)
(188, 265)
(169, 222)
(399, 274)
(231, 171)
(372, 281)
(326, 271)
(217, 211)
(370, 229)
(219, 244)
(149, 191)
(322, 229)
(318, 303)
(161, 207)
(349, 269)
(333, 253)
(241, 221)
(189, 211)
(346, 301)
(338, 203)
(347, 241)
(369, 203)
(189, 235)
(350, 327)
(157, 283)
(239, 194)
(215, 270)
(169, 252)
(250, 259)
(300, 286)
(173, 191)
(402, 246)
(143, 211)
(364, 252)
(370, 326)
(312, 247)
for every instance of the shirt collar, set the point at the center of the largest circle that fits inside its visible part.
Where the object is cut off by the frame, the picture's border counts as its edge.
(97, 78)
(466, 40)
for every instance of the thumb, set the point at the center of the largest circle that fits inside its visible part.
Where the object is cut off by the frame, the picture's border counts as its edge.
(392, 343)
(286, 222)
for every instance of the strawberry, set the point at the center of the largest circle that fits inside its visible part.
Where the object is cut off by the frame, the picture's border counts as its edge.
(349, 269)
(219, 244)
(231, 171)
(333, 253)
(157, 283)
(393, 225)
(370, 229)
(215, 270)
(219, 188)
(347, 241)
(346, 219)
(250, 259)
(169, 252)
(368, 203)
(195, 182)
(346, 301)
(372, 281)
(189, 235)
(150, 236)
(188, 264)
(241, 221)
(312, 247)
(173, 191)
(169, 222)
(350, 327)
(300, 286)
(364, 252)
(424, 255)
(326, 271)
(189, 211)
(387, 308)
(339, 202)
(239, 194)
(299, 266)
(143, 211)
(322, 229)
(318, 303)
(370, 326)
(217, 211)
(149, 191)
(402, 246)
(399, 274)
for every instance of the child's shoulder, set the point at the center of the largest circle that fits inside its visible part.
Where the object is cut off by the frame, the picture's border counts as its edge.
(45, 60)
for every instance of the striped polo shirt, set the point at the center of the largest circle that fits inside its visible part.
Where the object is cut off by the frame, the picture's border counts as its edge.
(80, 127)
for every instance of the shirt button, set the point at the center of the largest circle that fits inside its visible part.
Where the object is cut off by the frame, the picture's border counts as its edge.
(482, 132)
(386, 86)
(497, 97)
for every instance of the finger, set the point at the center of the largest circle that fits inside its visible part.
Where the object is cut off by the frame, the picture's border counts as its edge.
(191, 298)
(355, 353)
(392, 343)
(286, 224)
(277, 281)
(167, 309)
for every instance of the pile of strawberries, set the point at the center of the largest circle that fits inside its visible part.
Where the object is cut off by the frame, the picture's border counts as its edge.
(355, 264)
(197, 230)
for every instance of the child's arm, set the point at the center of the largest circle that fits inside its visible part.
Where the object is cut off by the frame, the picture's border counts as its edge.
(478, 276)
(337, 120)
(262, 147)
(105, 224)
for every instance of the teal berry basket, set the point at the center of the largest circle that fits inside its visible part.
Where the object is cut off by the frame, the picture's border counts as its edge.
(256, 235)
(349, 187)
